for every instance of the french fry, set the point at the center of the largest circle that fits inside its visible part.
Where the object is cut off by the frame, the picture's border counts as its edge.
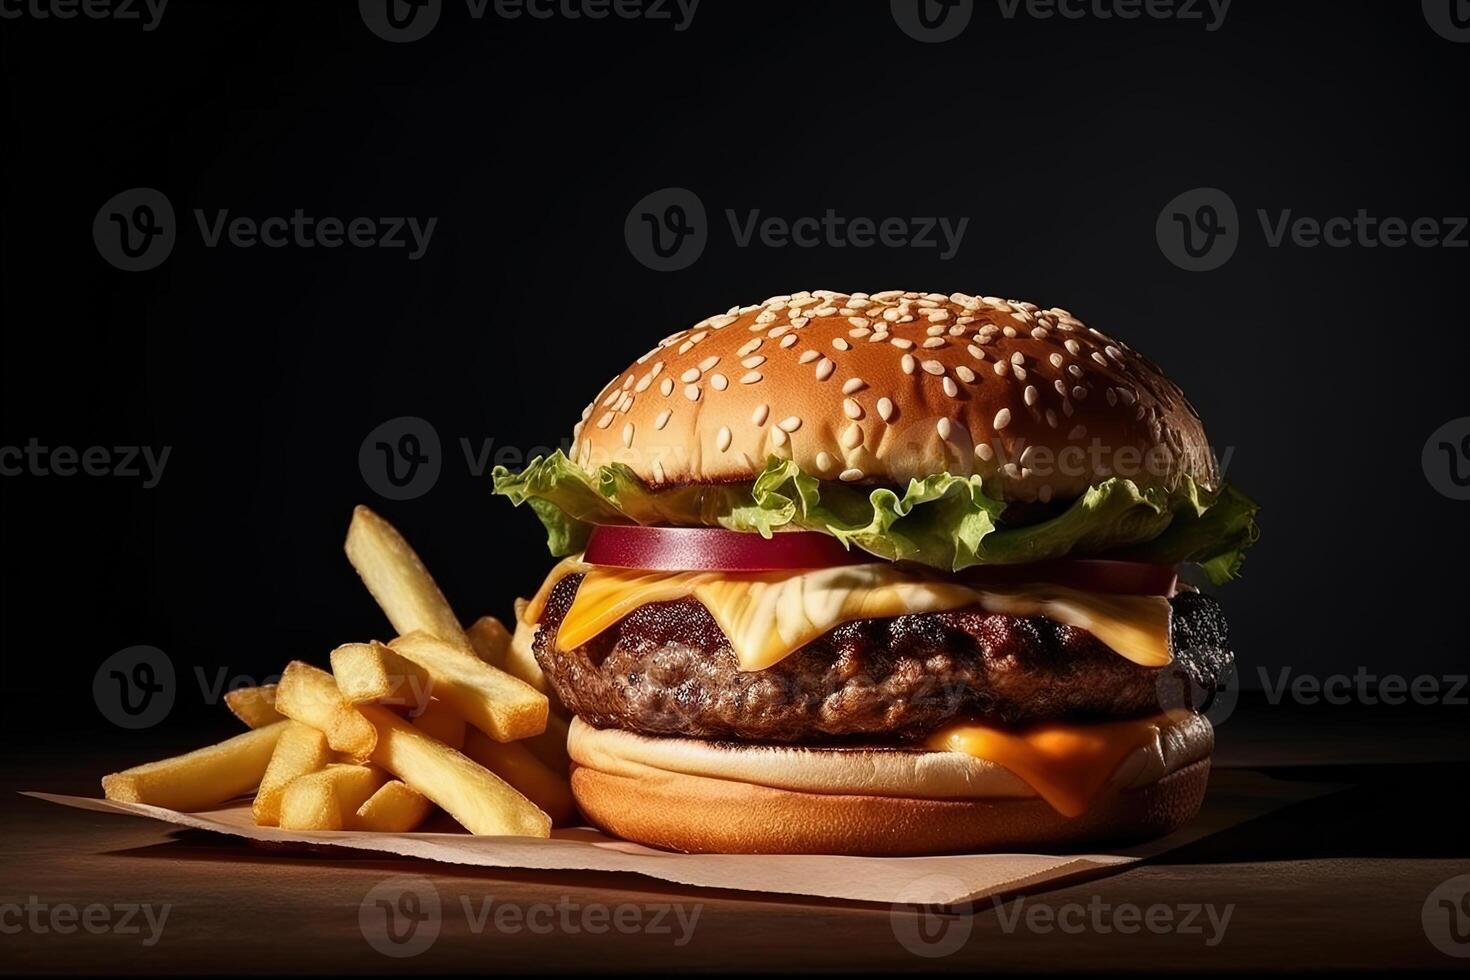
(301, 749)
(309, 695)
(442, 723)
(490, 640)
(398, 580)
(255, 706)
(372, 672)
(503, 707)
(514, 763)
(481, 801)
(395, 808)
(551, 745)
(520, 661)
(329, 799)
(201, 778)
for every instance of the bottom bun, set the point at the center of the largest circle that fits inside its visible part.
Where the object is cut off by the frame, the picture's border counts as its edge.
(707, 814)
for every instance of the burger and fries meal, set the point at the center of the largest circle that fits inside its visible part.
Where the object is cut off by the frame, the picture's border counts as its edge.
(846, 573)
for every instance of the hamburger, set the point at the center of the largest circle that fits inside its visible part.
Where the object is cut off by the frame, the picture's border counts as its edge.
(887, 574)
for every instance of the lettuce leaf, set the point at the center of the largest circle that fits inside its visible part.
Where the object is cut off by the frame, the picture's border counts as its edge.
(944, 521)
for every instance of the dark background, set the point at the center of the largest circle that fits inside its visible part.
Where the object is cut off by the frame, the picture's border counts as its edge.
(1325, 370)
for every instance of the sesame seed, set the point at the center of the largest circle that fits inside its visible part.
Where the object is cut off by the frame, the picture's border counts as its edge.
(628, 382)
(690, 375)
(721, 322)
(1028, 456)
(1031, 395)
(934, 342)
(1060, 386)
(861, 322)
(1002, 419)
(719, 382)
(1073, 348)
(950, 388)
(965, 374)
(1099, 359)
(1077, 432)
(691, 392)
(1127, 395)
(753, 361)
(908, 363)
(1051, 418)
(628, 434)
(1011, 470)
(658, 471)
(1075, 370)
(976, 352)
(1079, 393)
(945, 428)
(935, 368)
(750, 346)
(1001, 368)
(849, 475)
(858, 333)
(790, 424)
(1057, 360)
(851, 408)
(825, 368)
(852, 385)
(1019, 372)
(824, 461)
(1009, 331)
(807, 356)
(722, 438)
(758, 417)
(878, 337)
(750, 377)
(788, 340)
(666, 387)
(1040, 333)
(1018, 358)
(709, 362)
(663, 419)
(778, 437)
(902, 343)
(605, 421)
(800, 321)
(885, 409)
(852, 436)
(841, 344)
(984, 452)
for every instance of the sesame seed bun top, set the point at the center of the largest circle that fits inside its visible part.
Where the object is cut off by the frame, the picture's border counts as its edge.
(884, 387)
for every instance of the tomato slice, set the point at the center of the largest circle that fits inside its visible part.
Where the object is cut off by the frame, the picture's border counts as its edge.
(715, 549)
(699, 549)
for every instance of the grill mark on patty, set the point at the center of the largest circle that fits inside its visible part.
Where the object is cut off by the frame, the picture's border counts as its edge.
(668, 669)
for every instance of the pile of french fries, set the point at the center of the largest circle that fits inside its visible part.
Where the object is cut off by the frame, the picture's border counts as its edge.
(440, 718)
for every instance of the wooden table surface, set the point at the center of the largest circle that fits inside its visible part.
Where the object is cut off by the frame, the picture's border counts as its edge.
(1337, 882)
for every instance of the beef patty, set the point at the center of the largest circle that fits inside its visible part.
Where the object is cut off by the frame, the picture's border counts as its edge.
(668, 669)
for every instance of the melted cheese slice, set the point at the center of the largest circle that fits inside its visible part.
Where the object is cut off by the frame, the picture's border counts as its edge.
(1066, 764)
(769, 615)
